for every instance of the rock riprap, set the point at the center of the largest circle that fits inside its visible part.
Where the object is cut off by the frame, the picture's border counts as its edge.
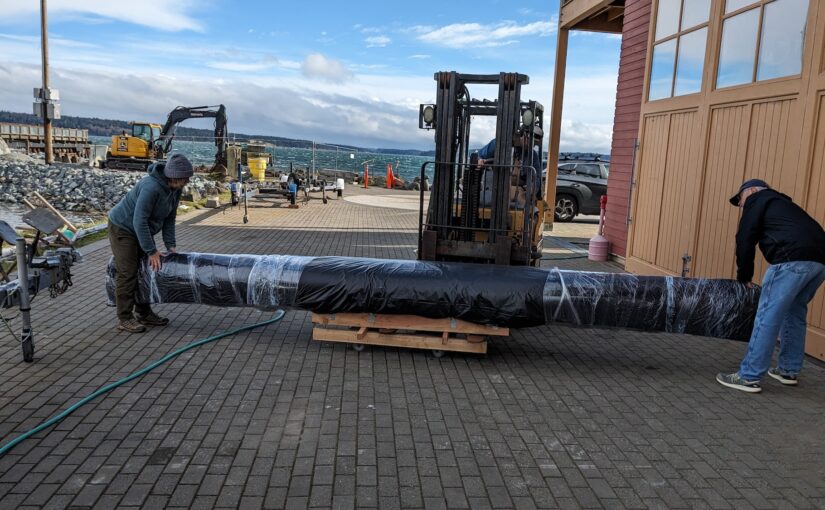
(73, 187)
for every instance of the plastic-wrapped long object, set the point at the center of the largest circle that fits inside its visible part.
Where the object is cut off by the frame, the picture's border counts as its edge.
(484, 294)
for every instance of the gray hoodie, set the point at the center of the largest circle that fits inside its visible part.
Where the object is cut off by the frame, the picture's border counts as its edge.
(148, 208)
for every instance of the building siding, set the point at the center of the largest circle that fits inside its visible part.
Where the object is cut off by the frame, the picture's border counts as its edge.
(626, 121)
(689, 164)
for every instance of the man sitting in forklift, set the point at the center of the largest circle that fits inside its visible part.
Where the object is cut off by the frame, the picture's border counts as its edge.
(518, 180)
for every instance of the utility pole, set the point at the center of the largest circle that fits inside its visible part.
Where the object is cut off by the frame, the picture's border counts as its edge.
(47, 116)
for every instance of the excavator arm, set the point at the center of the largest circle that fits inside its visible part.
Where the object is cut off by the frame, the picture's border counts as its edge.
(182, 113)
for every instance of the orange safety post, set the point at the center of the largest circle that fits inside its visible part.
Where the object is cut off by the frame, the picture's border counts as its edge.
(390, 177)
(366, 176)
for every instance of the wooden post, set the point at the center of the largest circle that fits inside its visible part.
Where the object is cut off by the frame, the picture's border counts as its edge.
(555, 127)
(44, 45)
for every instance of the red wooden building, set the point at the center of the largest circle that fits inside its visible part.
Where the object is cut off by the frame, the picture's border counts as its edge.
(710, 93)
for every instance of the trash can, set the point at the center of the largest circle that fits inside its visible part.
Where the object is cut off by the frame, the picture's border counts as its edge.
(257, 167)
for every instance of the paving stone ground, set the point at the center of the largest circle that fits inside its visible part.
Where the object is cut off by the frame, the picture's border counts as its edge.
(552, 417)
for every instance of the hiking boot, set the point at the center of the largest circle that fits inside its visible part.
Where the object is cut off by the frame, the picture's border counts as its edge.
(132, 326)
(152, 319)
(786, 379)
(736, 382)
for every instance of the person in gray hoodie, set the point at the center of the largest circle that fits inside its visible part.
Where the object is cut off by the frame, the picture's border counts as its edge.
(148, 208)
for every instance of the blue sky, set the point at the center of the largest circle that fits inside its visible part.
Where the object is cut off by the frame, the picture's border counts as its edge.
(330, 71)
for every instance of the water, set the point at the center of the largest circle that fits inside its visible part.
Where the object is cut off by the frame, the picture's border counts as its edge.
(12, 214)
(409, 167)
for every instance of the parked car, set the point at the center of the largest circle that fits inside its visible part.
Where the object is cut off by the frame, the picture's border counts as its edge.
(579, 187)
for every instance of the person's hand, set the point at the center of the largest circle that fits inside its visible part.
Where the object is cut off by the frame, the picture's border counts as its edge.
(154, 261)
(172, 250)
(749, 285)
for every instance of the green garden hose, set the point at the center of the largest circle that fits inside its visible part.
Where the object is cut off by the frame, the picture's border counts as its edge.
(109, 387)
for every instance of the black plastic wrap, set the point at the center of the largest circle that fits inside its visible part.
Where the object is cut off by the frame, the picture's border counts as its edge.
(484, 294)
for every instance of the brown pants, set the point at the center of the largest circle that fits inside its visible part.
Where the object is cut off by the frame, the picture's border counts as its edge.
(127, 252)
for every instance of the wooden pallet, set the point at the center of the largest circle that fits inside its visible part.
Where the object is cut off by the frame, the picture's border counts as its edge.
(409, 331)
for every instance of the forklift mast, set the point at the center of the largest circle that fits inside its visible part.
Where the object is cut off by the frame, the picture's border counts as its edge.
(471, 215)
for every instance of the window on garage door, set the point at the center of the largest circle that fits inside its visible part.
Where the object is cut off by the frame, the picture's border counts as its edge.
(679, 48)
(761, 40)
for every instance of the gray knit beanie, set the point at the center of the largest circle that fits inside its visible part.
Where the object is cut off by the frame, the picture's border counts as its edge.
(178, 167)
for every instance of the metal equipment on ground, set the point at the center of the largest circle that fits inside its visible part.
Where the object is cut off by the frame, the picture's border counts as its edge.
(51, 270)
(298, 190)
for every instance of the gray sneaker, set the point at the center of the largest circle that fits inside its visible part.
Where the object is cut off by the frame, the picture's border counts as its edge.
(736, 382)
(786, 379)
(132, 326)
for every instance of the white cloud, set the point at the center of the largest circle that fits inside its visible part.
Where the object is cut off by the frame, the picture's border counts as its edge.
(293, 108)
(53, 41)
(322, 97)
(240, 66)
(595, 35)
(250, 63)
(476, 35)
(290, 64)
(420, 56)
(317, 65)
(583, 137)
(377, 41)
(367, 67)
(169, 15)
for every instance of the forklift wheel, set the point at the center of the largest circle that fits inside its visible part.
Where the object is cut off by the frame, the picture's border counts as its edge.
(438, 353)
(358, 347)
(28, 351)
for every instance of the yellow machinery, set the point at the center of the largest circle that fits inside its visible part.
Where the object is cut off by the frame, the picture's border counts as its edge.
(135, 151)
(149, 142)
(485, 206)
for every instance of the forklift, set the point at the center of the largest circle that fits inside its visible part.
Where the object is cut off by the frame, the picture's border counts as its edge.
(485, 206)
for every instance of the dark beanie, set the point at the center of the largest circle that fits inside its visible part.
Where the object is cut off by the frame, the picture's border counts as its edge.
(178, 167)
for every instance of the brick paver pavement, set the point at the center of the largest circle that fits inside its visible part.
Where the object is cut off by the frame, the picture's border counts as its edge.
(553, 417)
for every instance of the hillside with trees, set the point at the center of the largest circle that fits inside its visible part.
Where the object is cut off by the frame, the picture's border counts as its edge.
(109, 127)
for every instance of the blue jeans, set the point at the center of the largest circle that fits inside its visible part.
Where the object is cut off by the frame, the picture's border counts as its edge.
(783, 308)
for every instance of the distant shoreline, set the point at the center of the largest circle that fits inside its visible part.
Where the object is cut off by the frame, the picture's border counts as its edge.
(110, 127)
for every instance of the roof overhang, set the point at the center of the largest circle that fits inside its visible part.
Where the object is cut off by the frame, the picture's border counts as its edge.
(592, 15)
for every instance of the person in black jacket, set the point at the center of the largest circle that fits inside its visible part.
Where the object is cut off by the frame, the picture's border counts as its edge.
(794, 244)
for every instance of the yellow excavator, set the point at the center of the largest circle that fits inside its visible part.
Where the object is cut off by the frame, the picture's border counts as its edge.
(150, 142)
(133, 151)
